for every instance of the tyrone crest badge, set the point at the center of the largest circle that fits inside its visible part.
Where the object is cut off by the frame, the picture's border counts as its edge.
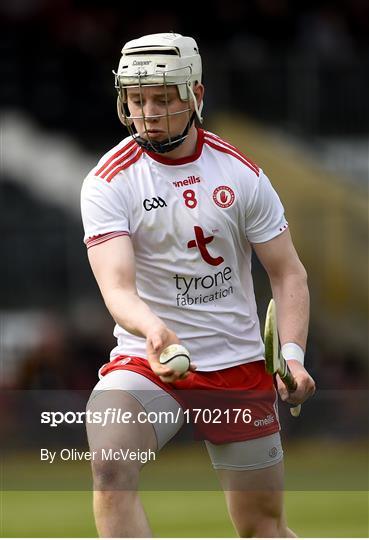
(223, 196)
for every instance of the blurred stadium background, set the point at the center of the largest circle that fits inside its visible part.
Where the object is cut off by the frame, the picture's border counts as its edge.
(287, 82)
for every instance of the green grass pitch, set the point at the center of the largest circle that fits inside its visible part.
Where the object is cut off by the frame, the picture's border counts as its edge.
(180, 514)
(174, 511)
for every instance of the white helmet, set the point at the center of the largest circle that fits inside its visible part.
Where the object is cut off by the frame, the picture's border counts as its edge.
(159, 60)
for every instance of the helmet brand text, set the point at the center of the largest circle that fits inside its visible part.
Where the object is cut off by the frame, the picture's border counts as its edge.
(141, 62)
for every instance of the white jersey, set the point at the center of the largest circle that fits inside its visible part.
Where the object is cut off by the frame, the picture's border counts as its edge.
(191, 222)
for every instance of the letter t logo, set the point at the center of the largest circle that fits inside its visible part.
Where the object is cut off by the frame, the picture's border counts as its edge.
(201, 242)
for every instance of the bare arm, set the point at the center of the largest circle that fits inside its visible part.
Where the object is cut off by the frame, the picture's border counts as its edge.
(288, 281)
(113, 265)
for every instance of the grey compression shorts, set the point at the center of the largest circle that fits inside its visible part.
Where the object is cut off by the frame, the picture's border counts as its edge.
(244, 455)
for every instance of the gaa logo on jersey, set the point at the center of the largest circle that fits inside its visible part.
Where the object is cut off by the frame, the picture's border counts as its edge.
(223, 196)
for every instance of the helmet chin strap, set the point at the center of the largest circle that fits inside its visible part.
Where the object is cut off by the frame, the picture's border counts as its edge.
(164, 146)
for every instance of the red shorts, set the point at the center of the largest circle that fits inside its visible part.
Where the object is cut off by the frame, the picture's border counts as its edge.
(229, 405)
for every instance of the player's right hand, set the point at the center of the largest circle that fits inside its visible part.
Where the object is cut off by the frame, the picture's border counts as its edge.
(157, 339)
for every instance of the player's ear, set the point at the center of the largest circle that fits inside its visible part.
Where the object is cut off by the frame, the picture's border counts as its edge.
(199, 90)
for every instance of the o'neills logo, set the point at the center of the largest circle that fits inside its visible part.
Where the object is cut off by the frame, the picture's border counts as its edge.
(188, 182)
(265, 421)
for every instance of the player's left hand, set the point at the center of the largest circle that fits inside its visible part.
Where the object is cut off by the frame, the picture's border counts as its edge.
(157, 340)
(305, 385)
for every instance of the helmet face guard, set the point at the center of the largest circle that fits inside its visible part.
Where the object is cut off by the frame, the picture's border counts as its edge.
(160, 60)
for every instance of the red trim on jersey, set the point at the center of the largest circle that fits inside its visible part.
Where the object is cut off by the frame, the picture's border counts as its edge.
(181, 161)
(114, 156)
(118, 162)
(100, 238)
(125, 165)
(217, 139)
(231, 153)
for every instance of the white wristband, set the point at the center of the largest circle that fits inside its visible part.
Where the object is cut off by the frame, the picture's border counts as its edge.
(292, 351)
